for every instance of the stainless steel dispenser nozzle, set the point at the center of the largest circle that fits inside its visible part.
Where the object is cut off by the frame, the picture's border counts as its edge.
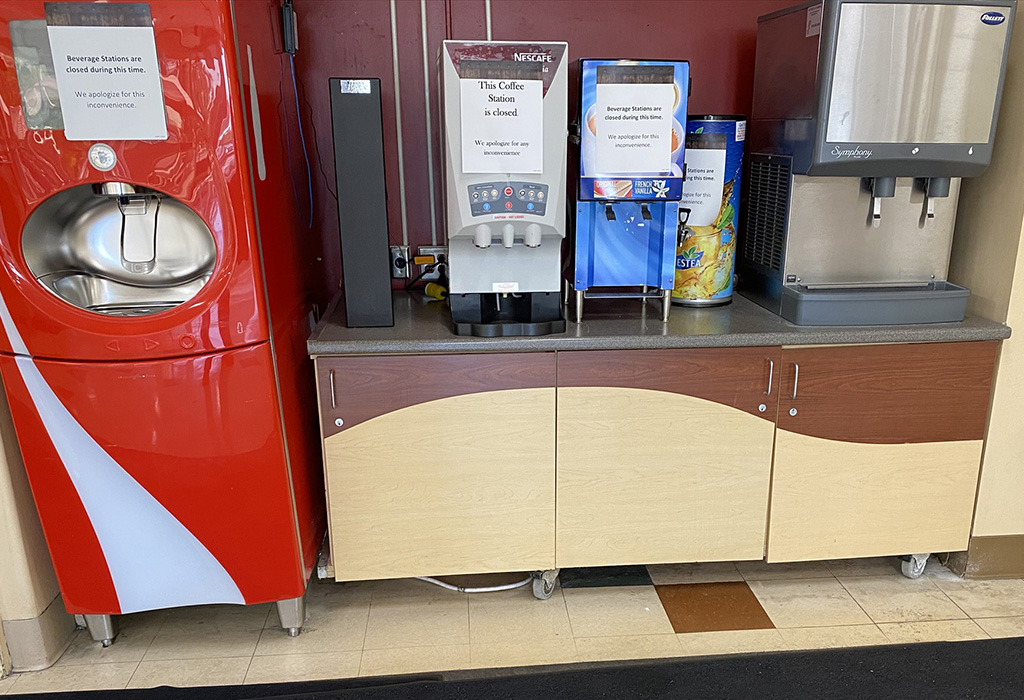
(880, 187)
(139, 215)
(934, 187)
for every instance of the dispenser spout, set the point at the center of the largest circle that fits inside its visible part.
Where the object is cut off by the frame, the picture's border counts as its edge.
(881, 187)
(934, 187)
(139, 217)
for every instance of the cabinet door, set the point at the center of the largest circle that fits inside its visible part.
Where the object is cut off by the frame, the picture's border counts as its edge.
(878, 449)
(664, 455)
(439, 464)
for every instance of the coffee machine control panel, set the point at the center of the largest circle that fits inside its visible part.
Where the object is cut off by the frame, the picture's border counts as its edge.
(508, 198)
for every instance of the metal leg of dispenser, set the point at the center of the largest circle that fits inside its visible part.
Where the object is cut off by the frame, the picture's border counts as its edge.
(292, 613)
(666, 304)
(101, 628)
(579, 306)
(647, 290)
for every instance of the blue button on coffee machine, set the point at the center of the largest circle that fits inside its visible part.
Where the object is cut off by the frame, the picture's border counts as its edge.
(632, 147)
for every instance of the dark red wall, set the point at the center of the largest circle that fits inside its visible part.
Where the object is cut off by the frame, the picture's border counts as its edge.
(353, 38)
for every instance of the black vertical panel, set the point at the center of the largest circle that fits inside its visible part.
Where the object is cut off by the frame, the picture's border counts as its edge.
(362, 201)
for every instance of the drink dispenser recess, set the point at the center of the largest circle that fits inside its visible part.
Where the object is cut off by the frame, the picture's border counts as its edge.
(118, 249)
(505, 121)
(865, 117)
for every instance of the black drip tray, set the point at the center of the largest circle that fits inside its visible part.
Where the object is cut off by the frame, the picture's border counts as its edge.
(935, 302)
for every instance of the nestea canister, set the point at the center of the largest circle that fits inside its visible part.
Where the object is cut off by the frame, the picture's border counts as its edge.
(709, 210)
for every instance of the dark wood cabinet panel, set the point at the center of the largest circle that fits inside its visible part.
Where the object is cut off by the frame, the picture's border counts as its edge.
(743, 378)
(357, 389)
(888, 394)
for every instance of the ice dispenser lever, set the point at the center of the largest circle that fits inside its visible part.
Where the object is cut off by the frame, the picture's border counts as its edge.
(934, 187)
(881, 187)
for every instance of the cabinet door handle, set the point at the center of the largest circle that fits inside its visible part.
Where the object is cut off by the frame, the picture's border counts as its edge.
(334, 396)
(796, 379)
(771, 375)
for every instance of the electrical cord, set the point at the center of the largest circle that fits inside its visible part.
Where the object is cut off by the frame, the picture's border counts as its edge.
(287, 133)
(482, 589)
(302, 136)
(316, 140)
(426, 270)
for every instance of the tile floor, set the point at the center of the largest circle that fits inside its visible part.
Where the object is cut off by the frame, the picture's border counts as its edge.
(391, 627)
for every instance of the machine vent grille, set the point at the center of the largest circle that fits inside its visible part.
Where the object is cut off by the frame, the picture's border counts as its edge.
(768, 194)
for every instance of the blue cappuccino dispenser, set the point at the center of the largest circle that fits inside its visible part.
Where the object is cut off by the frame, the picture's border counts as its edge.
(632, 162)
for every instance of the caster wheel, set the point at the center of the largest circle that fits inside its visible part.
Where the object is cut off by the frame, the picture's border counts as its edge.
(914, 565)
(542, 589)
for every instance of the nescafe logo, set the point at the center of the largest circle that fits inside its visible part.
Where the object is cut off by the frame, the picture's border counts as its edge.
(538, 57)
(993, 18)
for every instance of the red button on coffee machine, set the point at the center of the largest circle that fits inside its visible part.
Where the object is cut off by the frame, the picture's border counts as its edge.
(508, 191)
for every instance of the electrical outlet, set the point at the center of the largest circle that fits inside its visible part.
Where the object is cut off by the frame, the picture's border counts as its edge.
(440, 252)
(400, 262)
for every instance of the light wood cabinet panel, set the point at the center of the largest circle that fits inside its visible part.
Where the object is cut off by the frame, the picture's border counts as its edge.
(448, 477)
(664, 456)
(878, 453)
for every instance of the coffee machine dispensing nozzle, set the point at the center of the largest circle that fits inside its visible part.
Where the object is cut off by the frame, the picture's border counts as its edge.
(482, 236)
(508, 235)
(880, 187)
(533, 236)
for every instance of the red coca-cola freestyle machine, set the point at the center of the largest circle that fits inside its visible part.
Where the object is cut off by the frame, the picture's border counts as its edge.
(156, 292)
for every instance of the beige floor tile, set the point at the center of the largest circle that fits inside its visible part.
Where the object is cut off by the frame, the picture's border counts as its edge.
(732, 642)
(669, 574)
(1000, 627)
(540, 652)
(6, 683)
(135, 634)
(404, 588)
(205, 632)
(336, 618)
(287, 668)
(192, 672)
(648, 646)
(386, 662)
(900, 599)
(871, 566)
(616, 611)
(815, 602)
(65, 678)
(1003, 598)
(933, 631)
(832, 637)
(760, 571)
(516, 616)
(438, 620)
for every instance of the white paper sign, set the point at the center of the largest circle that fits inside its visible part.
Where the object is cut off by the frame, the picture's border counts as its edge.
(813, 21)
(108, 79)
(634, 128)
(703, 186)
(502, 125)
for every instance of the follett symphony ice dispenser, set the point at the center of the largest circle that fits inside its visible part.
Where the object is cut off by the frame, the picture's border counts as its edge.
(505, 120)
(632, 143)
(866, 115)
(155, 295)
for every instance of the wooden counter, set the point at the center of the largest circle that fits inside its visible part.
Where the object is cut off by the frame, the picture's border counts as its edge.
(602, 446)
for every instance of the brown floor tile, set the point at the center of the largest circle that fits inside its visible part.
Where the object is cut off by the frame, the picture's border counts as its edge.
(713, 607)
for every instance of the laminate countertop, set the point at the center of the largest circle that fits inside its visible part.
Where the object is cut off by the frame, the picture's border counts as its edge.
(423, 325)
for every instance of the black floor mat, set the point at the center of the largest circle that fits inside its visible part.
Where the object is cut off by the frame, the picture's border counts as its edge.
(980, 670)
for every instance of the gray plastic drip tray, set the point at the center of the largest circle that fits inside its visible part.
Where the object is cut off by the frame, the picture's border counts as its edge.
(935, 302)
